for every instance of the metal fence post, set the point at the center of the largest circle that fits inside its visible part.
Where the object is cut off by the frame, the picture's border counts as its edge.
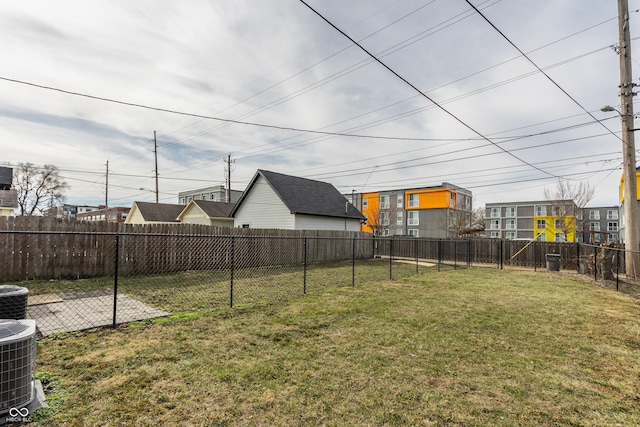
(304, 279)
(115, 280)
(353, 262)
(231, 267)
(455, 254)
(595, 263)
(416, 250)
(617, 270)
(391, 259)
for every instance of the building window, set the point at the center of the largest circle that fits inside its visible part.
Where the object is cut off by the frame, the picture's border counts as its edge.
(612, 226)
(579, 215)
(560, 237)
(365, 203)
(495, 212)
(495, 224)
(559, 224)
(542, 237)
(414, 201)
(384, 232)
(510, 235)
(612, 214)
(511, 224)
(613, 238)
(594, 214)
(413, 218)
(541, 211)
(384, 202)
(495, 234)
(511, 212)
(400, 201)
(413, 233)
(384, 218)
(400, 218)
(399, 232)
(541, 224)
(594, 226)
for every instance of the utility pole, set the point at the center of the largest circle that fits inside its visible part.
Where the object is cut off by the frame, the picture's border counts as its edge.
(155, 152)
(228, 178)
(630, 208)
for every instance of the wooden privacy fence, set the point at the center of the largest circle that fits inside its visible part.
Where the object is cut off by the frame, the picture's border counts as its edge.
(485, 251)
(45, 248)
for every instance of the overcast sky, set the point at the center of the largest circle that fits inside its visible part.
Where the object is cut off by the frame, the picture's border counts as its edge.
(278, 88)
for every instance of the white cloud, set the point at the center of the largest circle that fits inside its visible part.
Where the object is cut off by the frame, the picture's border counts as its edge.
(277, 63)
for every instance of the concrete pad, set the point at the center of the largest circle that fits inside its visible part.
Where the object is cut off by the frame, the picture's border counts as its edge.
(43, 299)
(80, 313)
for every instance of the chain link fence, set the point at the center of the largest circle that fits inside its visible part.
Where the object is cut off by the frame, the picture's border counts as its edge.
(79, 281)
(83, 280)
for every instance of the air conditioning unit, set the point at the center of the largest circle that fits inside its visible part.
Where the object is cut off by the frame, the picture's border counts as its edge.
(17, 363)
(13, 302)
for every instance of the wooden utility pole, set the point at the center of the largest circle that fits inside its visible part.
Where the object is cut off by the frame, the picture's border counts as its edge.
(630, 207)
(155, 152)
(228, 192)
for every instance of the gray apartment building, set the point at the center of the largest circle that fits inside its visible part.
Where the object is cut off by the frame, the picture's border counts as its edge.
(216, 193)
(557, 220)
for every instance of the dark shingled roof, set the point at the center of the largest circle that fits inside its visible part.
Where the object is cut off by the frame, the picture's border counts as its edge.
(215, 209)
(159, 212)
(306, 196)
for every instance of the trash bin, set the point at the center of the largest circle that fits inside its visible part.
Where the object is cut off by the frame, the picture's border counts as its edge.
(553, 262)
(13, 302)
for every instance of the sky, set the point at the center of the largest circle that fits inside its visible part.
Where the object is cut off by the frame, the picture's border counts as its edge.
(366, 95)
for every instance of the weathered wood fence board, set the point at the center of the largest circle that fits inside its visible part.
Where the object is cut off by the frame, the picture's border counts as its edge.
(47, 248)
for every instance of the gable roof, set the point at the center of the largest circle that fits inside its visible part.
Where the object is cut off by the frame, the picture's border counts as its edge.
(305, 196)
(210, 208)
(159, 212)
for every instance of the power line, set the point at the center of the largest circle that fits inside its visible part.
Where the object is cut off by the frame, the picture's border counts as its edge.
(540, 70)
(424, 94)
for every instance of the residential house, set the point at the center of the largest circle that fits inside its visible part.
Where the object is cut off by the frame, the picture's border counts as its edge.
(275, 200)
(153, 213)
(436, 211)
(216, 193)
(8, 195)
(544, 220)
(207, 213)
(115, 214)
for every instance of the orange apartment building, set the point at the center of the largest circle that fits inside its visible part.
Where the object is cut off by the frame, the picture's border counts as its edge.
(420, 212)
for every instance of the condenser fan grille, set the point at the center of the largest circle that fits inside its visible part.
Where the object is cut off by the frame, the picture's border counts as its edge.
(17, 363)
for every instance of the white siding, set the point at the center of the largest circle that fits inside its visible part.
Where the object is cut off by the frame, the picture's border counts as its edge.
(262, 208)
(311, 222)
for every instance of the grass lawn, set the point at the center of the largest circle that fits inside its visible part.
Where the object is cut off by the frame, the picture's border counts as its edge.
(477, 347)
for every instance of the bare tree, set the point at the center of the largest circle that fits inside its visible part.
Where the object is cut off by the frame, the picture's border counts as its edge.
(38, 188)
(464, 223)
(567, 202)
